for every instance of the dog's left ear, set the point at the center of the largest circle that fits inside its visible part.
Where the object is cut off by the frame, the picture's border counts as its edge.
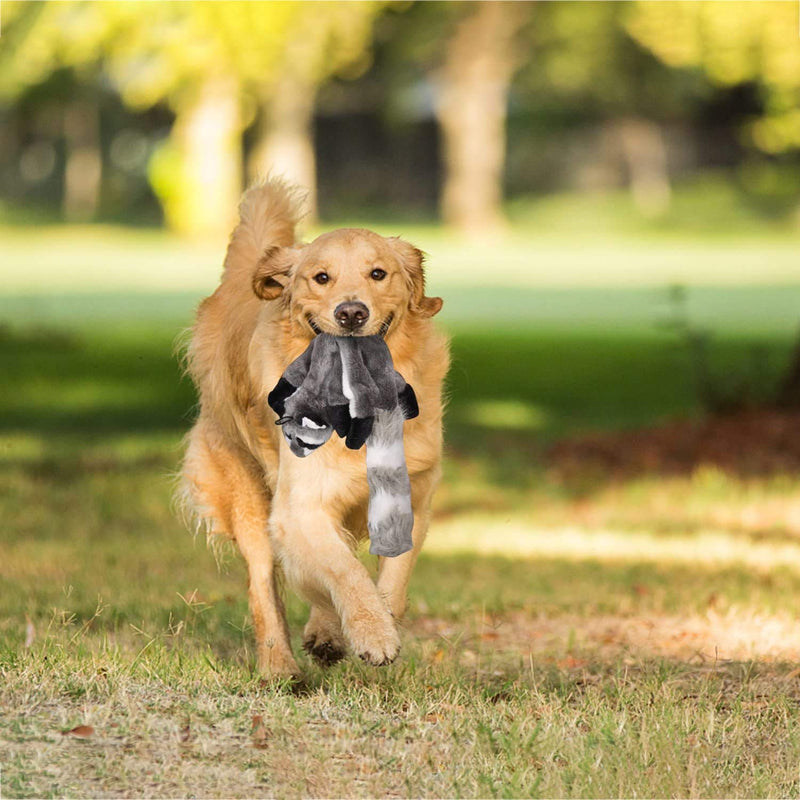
(412, 260)
(272, 272)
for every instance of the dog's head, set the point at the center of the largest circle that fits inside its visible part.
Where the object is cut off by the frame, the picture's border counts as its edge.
(349, 282)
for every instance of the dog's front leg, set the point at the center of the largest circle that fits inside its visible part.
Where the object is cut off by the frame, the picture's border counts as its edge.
(273, 650)
(317, 562)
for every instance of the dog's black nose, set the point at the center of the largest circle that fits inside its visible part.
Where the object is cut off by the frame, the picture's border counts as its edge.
(351, 315)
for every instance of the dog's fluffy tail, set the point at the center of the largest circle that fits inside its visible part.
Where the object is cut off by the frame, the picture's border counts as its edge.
(268, 214)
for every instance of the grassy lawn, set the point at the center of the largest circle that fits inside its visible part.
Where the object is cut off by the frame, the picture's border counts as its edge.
(591, 636)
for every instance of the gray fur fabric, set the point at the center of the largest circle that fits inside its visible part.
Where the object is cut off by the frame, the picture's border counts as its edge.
(348, 384)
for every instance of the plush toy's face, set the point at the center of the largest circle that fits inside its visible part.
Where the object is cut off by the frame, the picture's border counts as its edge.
(304, 436)
(350, 282)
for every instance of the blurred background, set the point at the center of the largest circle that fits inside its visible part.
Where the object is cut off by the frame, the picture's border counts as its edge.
(609, 194)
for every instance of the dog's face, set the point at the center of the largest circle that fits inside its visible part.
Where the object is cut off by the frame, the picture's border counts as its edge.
(348, 282)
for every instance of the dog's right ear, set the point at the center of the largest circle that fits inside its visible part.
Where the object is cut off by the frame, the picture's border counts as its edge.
(412, 260)
(272, 272)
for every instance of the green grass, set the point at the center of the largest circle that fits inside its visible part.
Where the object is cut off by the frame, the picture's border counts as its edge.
(715, 234)
(584, 638)
(68, 260)
(535, 663)
(504, 687)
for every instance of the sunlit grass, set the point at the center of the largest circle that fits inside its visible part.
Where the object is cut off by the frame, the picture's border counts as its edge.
(62, 260)
(713, 235)
(505, 415)
(515, 536)
(536, 660)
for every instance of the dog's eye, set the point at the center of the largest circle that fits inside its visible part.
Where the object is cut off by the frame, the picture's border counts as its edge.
(322, 278)
(377, 274)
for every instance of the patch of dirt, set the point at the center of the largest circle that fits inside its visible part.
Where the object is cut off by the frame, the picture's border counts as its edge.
(747, 444)
(568, 640)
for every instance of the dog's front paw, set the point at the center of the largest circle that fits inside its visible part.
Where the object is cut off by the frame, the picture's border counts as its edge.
(373, 637)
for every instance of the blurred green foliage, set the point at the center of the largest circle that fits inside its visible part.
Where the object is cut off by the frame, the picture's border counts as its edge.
(734, 43)
(181, 94)
(163, 50)
(213, 63)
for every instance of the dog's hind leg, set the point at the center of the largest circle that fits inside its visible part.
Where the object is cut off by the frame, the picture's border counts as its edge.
(230, 496)
(322, 637)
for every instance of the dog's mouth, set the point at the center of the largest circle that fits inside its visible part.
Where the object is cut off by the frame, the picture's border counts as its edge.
(386, 324)
(382, 331)
(313, 325)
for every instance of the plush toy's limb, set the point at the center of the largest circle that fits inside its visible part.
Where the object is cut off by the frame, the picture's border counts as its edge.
(228, 495)
(339, 417)
(278, 396)
(408, 401)
(298, 370)
(319, 564)
(390, 518)
(395, 573)
(358, 432)
(292, 378)
(323, 639)
(304, 435)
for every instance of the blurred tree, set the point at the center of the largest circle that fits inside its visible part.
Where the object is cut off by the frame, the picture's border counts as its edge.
(151, 51)
(734, 43)
(33, 49)
(213, 63)
(480, 57)
(324, 39)
(201, 59)
(84, 162)
(558, 66)
(456, 60)
(738, 43)
(588, 70)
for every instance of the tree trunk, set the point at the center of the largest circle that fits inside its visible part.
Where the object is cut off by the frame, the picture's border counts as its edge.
(471, 111)
(286, 145)
(83, 169)
(199, 176)
(645, 155)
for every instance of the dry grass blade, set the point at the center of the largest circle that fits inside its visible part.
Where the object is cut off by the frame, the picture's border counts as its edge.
(30, 632)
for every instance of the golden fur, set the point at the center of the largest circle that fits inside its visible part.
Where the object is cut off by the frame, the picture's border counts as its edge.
(239, 476)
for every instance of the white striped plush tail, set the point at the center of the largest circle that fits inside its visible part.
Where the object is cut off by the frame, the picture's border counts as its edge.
(390, 517)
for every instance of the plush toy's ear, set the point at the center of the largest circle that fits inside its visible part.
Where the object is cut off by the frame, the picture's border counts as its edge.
(408, 402)
(276, 399)
(412, 260)
(272, 271)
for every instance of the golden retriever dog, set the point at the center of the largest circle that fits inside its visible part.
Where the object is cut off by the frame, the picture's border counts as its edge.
(305, 516)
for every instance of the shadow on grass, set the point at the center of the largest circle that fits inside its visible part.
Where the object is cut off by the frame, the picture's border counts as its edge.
(79, 384)
(512, 393)
(125, 577)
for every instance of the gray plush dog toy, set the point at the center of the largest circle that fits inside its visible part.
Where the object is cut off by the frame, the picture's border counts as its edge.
(348, 384)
